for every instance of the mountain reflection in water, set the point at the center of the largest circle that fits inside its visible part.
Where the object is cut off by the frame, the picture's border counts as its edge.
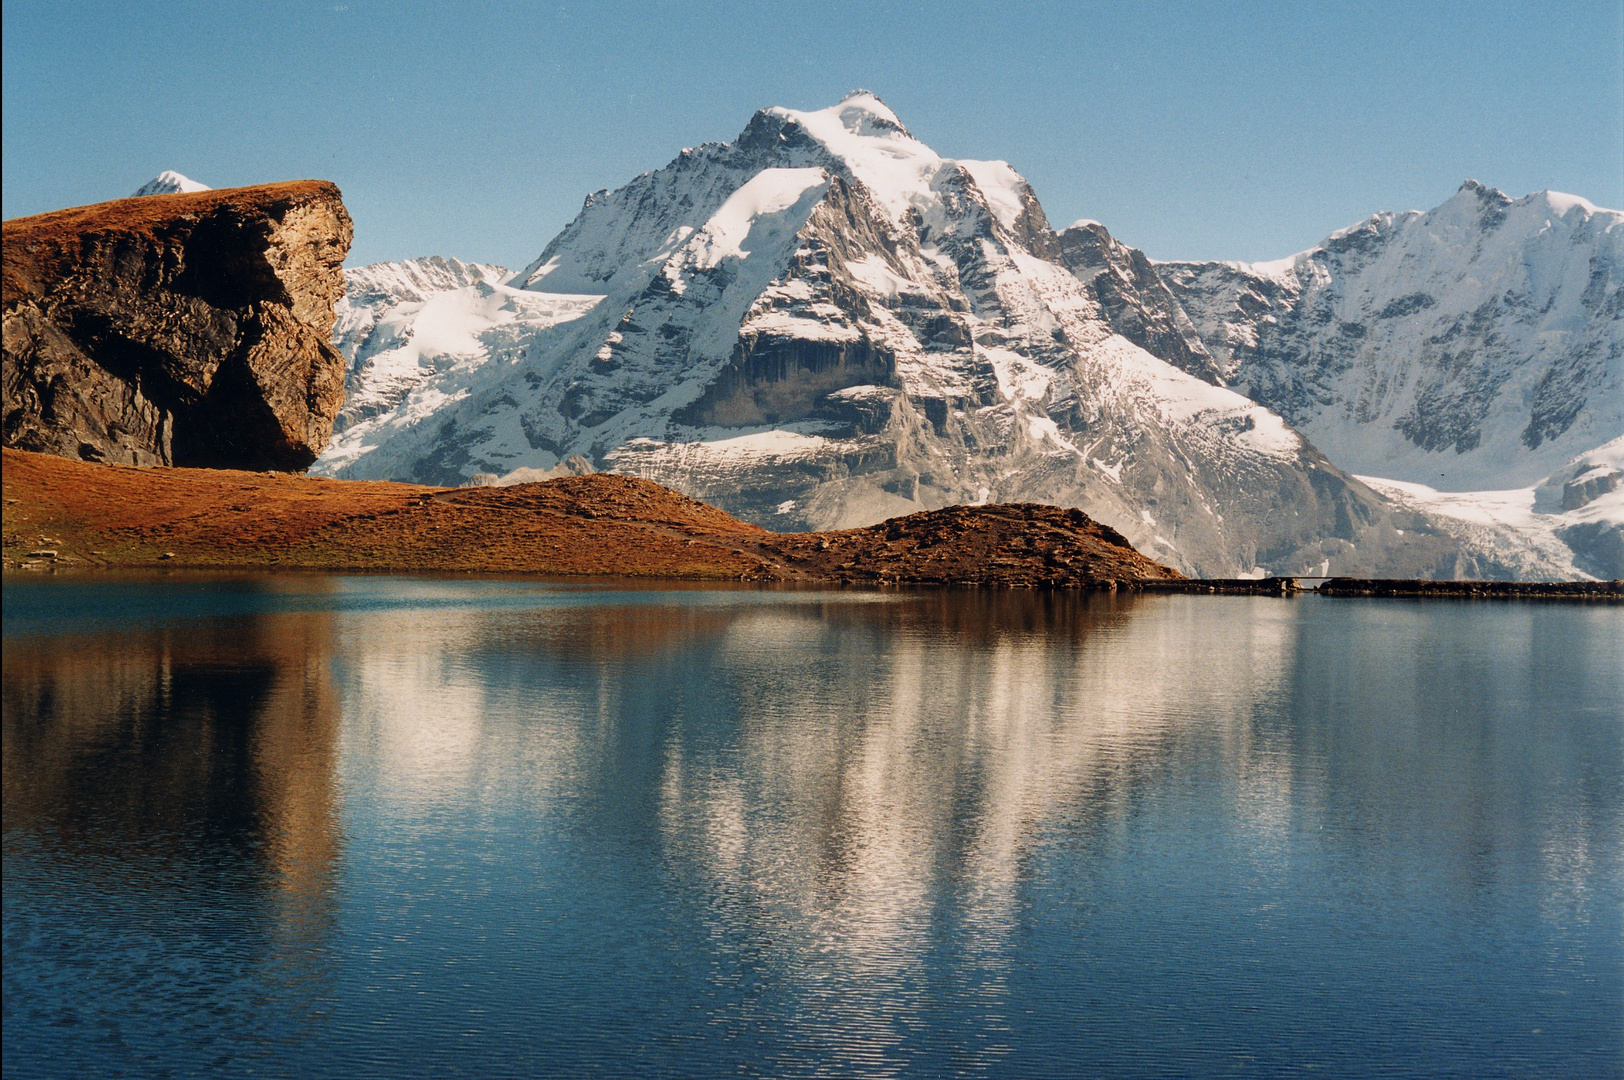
(381, 826)
(171, 794)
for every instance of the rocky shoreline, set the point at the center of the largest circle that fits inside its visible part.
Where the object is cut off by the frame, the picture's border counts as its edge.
(1409, 588)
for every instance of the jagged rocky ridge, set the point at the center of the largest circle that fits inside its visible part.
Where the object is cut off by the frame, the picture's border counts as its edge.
(824, 324)
(184, 329)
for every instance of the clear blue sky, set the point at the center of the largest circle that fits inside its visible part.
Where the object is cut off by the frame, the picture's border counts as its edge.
(1193, 130)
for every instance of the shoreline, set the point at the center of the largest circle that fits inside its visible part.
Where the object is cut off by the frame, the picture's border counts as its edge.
(62, 512)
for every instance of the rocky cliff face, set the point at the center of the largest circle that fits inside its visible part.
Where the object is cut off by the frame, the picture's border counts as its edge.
(177, 329)
(1136, 300)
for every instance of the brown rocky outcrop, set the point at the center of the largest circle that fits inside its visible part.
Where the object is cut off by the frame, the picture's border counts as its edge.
(188, 329)
(1021, 545)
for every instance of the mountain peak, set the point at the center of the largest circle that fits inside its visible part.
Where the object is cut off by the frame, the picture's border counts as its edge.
(1483, 193)
(862, 132)
(862, 109)
(859, 113)
(169, 182)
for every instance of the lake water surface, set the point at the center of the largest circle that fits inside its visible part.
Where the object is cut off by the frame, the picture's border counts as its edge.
(329, 826)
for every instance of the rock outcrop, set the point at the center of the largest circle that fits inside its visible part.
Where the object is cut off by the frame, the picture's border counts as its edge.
(1010, 545)
(183, 329)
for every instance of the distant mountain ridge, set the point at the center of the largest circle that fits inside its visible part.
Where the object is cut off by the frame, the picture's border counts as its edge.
(404, 325)
(1477, 345)
(824, 323)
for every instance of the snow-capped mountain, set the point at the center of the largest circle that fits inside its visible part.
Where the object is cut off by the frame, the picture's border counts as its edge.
(825, 323)
(1477, 345)
(169, 182)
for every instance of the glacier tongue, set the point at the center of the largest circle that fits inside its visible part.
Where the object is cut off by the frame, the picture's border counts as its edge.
(824, 323)
(1571, 524)
(371, 291)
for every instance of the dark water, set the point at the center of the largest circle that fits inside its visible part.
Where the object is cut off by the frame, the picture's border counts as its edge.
(384, 827)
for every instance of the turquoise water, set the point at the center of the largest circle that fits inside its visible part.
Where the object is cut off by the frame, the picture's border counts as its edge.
(311, 826)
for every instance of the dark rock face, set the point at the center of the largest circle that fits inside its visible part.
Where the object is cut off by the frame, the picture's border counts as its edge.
(1598, 547)
(1136, 300)
(188, 329)
(775, 379)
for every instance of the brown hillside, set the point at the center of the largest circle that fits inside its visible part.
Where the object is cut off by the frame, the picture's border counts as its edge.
(120, 516)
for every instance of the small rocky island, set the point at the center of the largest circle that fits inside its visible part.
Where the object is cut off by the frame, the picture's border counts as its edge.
(181, 329)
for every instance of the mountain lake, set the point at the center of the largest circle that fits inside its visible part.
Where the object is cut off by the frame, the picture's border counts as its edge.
(387, 826)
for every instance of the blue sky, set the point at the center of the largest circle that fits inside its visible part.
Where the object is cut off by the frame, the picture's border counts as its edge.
(1222, 130)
